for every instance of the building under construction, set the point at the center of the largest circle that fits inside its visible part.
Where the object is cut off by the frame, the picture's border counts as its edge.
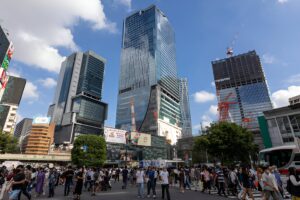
(242, 90)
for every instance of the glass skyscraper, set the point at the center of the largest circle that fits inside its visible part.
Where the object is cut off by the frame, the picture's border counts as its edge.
(148, 75)
(185, 108)
(77, 107)
(240, 81)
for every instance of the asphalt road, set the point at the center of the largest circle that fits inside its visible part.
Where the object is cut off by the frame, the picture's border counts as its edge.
(131, 194)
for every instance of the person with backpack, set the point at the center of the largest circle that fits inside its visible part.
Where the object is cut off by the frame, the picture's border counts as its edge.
(293, 184)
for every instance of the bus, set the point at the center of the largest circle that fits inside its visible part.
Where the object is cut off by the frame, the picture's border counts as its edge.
(282, 156)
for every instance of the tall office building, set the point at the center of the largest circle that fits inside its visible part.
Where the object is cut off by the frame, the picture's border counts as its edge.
(148, 75)
(9, 102)
(23, 127)
(77, 107)
(242, 90)
(185, 108)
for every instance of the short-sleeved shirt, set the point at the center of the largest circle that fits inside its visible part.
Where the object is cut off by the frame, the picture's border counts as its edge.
(140, 176)
(165, 177)
(18, 177)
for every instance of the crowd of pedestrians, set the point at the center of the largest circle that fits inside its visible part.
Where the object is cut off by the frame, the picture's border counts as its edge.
(237, 181)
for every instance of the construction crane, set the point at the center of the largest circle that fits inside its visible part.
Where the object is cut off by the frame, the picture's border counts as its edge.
(247, 120)
(223, 108)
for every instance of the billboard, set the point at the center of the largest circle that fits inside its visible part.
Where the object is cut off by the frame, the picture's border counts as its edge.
(113, 135)
(170, 131)
(41, 120)
(140, 139)
(14, 90)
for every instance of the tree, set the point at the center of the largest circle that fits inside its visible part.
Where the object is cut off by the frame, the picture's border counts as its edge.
(227, 142)
(8, 143)
(89, 150)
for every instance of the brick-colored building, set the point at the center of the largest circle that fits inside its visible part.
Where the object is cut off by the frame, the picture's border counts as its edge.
(39, 138)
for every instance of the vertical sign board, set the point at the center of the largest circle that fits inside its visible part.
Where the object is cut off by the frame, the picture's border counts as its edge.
(4, 66)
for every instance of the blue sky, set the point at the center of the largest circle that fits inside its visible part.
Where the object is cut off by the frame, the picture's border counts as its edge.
(45, 31)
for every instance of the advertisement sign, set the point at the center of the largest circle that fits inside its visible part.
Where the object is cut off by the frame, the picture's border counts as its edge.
(8, 56)
(41, 120)
(170, 131)
(3, 78)
(115, 135)
(140, 139)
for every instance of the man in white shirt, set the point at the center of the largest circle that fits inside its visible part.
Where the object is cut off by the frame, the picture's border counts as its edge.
(164, 176)
(140, 176)
(270, 186)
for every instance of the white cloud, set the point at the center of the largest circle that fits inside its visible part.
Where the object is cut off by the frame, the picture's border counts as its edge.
(48, 82)
(213, 110)
(19, 117)
(126, 3)
(13, 72)
(282, 1)
(294, 79)
(30, 92)
(280, 97)
(268, 59)
(38, 28)
(204, 96)
(206, 120)
(213, 84)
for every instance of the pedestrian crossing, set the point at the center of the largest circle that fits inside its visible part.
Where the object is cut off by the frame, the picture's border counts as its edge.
(256, 194)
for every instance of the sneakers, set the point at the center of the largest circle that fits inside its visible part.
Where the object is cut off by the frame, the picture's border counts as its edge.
(154, 197)
(148, 196)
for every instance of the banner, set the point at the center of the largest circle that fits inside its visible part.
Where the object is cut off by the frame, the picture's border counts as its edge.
(140, 139)
(115, 135)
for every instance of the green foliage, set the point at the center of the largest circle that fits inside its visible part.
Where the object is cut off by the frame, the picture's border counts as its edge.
(227, 142)
(8, 143)
(95, 153)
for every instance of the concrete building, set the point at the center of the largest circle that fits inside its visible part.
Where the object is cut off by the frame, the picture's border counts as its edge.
(9, 103)
(39, 138)
(77, 107)
(242, 91)
(281, 126)
(23, 127)
(148, 76)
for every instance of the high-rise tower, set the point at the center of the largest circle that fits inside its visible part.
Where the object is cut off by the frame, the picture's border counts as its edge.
(77, 107)
(148, 75)
(242, 90)
(185, 108)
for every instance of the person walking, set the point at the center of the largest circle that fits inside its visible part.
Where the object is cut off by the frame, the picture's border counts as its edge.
(221, 181)
(206, 180)
(40, 181)
(293, 184)
(16, 184)
(125, 177)
(27, 175)
(68, 180)
(151, 182)
(269, 185)
(164, 176)
(246, 183)
(140, 177)
(181, 180)
(79, 183)
(51, 181)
